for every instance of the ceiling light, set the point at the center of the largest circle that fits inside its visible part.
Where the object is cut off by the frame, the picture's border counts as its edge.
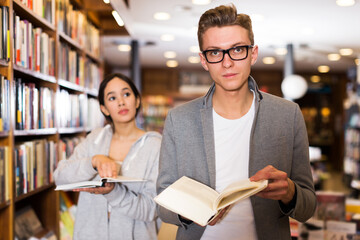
(172, 63)
(194, 59)
(118, 19)
(195, 49)
(201, 2)
(124, 47)
(281, 51)
(315, 79)
(345, 3)
(268, 60)
(167, 37)
(346, 51)
(294, 87)
(323, 69)
(161, 16)
(169, 54)
(107, 1)
(357, 61)
(334, 57)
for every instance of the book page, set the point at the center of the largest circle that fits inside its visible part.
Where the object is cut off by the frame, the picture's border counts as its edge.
(237, 191)
(189, 199)
(84, 184)
(123, 179)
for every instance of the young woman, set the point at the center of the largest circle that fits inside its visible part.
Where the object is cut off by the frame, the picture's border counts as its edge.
(115, 211)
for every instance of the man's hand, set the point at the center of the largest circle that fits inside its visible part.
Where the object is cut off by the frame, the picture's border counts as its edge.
(280, 187)
(219, 216)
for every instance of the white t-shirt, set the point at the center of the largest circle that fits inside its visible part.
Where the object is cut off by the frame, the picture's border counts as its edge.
(232, 139)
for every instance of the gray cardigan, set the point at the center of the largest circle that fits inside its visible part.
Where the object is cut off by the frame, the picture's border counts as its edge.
(278, 137)
(133, 210)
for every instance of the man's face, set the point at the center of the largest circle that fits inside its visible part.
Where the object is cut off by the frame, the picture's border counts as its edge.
(228, 75)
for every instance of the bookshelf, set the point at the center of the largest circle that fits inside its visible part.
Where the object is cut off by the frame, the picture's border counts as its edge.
(50, 68)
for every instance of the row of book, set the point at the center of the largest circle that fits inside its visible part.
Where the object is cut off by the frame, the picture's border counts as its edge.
(67, 146)
(71, 65)
(4, 171)
(95, 118)
(34, 106)
(77, 110)
(74, 24)
(5, 33)
(93, 75)
(43, 8)
(34, 164)
(77, 69)
(4, 104)
(71, 109)
(34, 49)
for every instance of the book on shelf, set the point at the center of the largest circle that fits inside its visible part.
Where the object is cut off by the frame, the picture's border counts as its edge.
(34, 162)
(34, 49)
(5, 40)
(27, 224)
(330, 206)
(4, 104)
(4, 161)
(199, 202)
(96, 183)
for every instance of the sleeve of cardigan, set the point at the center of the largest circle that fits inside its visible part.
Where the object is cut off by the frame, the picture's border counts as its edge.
(139, 205)
(77, 167)
(301, 172)
(167, 170)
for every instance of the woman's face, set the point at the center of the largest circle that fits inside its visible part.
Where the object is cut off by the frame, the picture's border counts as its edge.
(120, 102)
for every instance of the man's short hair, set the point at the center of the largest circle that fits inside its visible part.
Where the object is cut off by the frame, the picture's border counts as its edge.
(224, 15)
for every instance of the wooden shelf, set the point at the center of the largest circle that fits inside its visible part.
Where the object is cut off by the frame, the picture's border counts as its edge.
(92, 92)
(93, 57)
(44, 200)
(33, 132)
(4, 63)
(71, 130)
(4, 205)
(34, 192)
(30, 15)
(38, 75)
(4, 134)
(70, 41)
(70, 85)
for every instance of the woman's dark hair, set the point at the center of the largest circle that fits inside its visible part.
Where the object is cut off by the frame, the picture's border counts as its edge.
(104, 83)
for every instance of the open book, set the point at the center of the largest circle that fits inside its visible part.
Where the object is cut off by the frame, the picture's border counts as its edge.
(96, 183)
(199, 202)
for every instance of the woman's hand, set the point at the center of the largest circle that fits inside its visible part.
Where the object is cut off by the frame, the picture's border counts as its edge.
(108, 187)
(105, 166)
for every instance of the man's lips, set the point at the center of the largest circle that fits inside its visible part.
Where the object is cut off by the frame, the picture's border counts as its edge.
(228, 75)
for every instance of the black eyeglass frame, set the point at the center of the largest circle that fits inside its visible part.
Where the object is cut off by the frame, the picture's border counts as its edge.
(227, 51)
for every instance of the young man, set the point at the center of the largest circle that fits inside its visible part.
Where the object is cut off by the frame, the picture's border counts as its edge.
(236, 132)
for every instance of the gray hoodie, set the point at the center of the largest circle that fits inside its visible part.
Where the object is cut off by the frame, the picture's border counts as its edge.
(133, 214)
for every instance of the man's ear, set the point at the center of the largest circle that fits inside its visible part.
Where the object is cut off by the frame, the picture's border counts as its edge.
(203, 61)
(254, 54)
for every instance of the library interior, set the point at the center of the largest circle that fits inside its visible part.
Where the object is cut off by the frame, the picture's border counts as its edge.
(55, 53)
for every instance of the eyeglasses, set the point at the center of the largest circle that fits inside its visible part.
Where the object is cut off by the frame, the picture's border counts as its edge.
(235, 53)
